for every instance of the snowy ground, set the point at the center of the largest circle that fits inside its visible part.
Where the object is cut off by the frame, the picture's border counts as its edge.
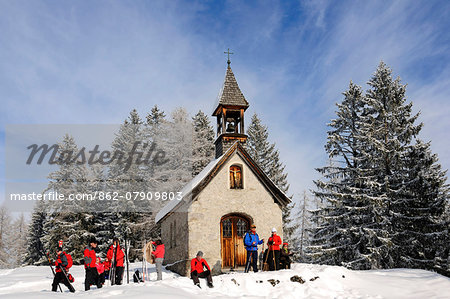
(333, 282)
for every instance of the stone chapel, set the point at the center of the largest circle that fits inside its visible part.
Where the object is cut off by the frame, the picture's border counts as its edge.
(221, 202)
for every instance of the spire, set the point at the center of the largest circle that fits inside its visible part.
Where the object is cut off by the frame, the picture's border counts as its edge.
(231, 94)
(229, 112)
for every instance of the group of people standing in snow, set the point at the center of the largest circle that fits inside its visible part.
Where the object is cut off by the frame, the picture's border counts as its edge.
(96, 270)
(274, 257)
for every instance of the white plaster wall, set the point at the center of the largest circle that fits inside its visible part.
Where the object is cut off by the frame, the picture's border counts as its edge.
(217, 200)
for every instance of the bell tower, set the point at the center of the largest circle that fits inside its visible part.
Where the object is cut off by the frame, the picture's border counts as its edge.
(230, 113)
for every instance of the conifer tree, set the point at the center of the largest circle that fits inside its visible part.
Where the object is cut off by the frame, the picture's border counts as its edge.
(127, 178)
(156, 117)
(5, 228)
(267, 157)
(18, 241)
(34, 253)
(203, 142)
(384, 182)
(420, 229)
(303, 227)
(67, 220)
(340, 235)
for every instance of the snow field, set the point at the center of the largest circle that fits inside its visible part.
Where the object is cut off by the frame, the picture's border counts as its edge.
(333, 282)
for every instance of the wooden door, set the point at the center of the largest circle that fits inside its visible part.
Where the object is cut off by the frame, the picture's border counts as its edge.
(233, 229)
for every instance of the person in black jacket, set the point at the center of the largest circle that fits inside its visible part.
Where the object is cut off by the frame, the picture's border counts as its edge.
(60, 266)
(285, 257)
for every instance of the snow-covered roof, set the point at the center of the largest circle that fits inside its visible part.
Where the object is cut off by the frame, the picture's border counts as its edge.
(211, 168)
(187, 189)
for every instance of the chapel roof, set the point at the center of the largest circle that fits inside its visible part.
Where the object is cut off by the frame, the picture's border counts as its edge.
(200, 181)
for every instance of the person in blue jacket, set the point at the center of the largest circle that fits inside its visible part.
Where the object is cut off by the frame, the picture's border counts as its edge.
(251, 242)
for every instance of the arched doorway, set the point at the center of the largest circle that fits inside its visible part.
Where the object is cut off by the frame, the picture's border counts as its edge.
(232, 230)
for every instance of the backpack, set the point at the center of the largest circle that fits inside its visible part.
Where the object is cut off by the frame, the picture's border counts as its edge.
(69, 260)
(248, 235)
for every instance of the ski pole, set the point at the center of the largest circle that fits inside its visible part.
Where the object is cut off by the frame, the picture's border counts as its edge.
(51, 267)
(267, 258)
(127, 247)
(249, 257)
(274, 259)
(261, 260)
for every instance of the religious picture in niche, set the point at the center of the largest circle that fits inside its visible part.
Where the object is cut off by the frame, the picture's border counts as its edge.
(235, 177)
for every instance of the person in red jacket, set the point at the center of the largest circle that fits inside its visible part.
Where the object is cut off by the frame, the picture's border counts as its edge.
(274, 243)
(90, 259)
(198, 265)
(158, 254)
(61, 262)
(115, 257)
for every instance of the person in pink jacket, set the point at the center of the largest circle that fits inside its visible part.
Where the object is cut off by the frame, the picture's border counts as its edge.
(100, 270)
(158, 254)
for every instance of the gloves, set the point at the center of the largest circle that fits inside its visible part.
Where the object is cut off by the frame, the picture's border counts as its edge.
(270, 242)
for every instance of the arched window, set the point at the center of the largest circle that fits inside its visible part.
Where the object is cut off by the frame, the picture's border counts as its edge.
(227, 228)
(236, 177)
(241, 227)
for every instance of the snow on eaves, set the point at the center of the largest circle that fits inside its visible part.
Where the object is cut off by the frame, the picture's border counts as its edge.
(186, 190)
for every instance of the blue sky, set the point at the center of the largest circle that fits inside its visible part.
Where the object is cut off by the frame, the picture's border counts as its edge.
(77, 62)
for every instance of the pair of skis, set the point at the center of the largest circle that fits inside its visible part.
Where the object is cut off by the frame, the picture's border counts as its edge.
(112, 270)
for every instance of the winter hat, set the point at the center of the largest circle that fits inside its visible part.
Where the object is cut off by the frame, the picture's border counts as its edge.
(93, 240)
(252, 226)
(200, 253)
(274, 230)
(285, 244)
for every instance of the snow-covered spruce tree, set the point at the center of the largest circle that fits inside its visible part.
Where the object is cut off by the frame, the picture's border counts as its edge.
(18, 241)
(203, 142)
(389, 128)
(156, 117)
(178, 148)
(258, 145)
(155, 133)
(267, 157)
(388, 180)
(34, 253)
(421, 231)
(67, 220)
(103, 216)
(302, 217)
(342, 234)
(126, 177)
(5, 233)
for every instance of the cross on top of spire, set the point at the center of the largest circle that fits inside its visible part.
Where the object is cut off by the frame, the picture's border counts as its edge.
(229, 53)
